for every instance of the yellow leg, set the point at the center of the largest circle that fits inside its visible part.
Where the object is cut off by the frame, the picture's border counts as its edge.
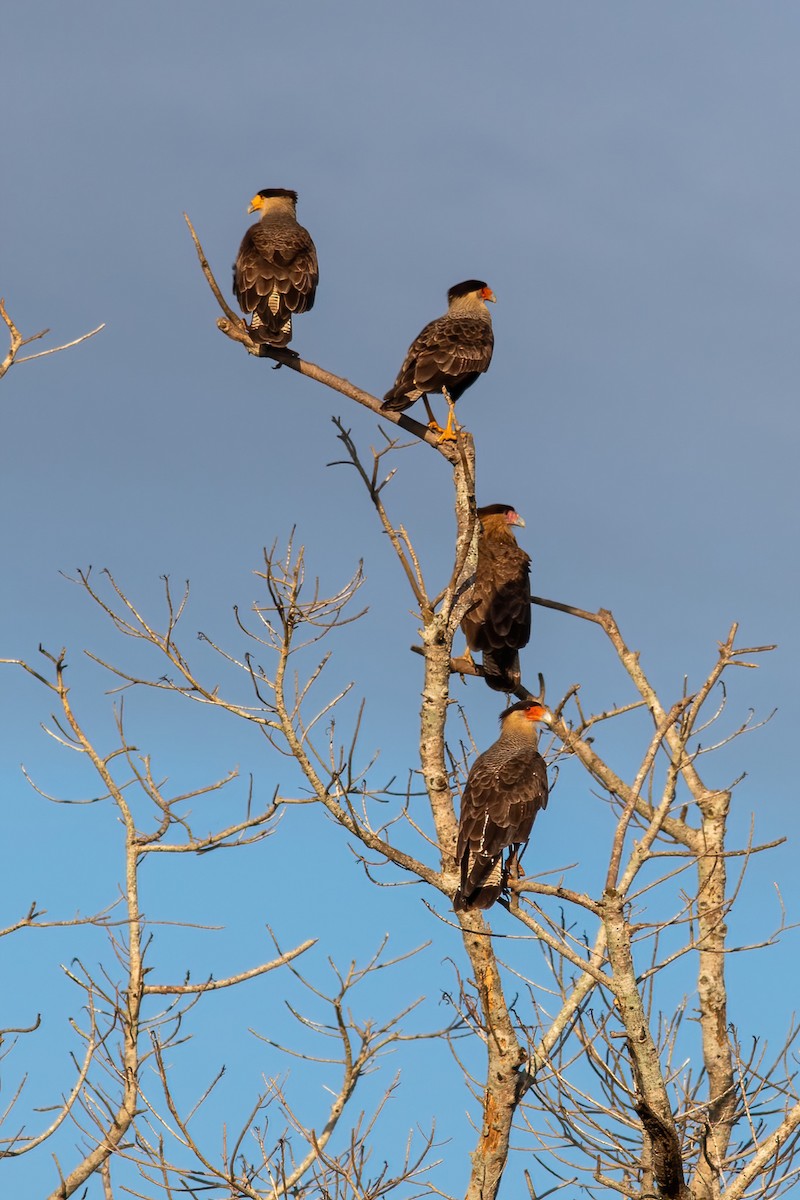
(433, 424)
(449, 432)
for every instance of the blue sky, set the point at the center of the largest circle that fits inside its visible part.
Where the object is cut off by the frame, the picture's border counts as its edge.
(627, 179)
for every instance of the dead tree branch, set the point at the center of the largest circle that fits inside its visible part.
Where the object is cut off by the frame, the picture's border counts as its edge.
(17, 341)
(235, 328)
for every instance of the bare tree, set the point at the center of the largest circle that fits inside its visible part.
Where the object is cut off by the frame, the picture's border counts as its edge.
(582, 1068)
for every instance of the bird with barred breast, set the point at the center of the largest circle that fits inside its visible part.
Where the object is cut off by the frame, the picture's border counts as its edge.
(505, 789)
(498, 621)
(448, 355)
(276, 272)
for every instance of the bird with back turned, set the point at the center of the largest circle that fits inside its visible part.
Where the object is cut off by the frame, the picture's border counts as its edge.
(276, 272)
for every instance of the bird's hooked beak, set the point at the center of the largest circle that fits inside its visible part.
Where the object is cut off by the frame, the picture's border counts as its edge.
(538, 712)
(256, 204)
(515, 519)
(488, 294)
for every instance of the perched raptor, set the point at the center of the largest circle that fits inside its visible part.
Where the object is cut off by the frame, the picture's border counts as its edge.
(448, 355)
(506, 788)
(276, 272)
(498, 622)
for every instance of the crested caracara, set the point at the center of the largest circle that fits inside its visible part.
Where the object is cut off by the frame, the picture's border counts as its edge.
(448, 355)
(276, 272)
(498, 621)
(505, 789)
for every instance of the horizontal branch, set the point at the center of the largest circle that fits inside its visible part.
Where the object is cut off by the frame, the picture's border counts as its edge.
(214, 985)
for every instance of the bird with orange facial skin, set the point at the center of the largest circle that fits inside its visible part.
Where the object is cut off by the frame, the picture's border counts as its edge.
(448, 355)
(498, 620)
(505, 789)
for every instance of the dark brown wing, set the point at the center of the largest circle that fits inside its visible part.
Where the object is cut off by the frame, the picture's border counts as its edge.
(502, 796)
(499, 620)
(450, 352)
(276, 271)
(500, 615)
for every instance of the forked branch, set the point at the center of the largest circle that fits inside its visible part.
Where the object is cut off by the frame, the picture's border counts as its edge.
(17, 341)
